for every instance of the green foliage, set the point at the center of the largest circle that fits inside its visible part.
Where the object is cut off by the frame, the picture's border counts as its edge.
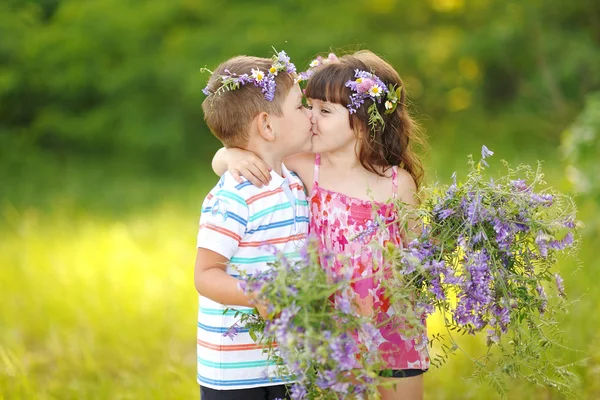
(114, 77)
(581, 149)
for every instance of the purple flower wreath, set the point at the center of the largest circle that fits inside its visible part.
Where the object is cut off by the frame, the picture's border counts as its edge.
(261, 79)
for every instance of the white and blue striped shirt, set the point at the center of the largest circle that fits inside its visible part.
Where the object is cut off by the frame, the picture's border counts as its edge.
(237, 219)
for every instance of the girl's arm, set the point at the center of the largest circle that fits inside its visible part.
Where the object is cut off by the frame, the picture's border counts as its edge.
(240, 163)
(244, 163)
(303, 165)
(407, 193)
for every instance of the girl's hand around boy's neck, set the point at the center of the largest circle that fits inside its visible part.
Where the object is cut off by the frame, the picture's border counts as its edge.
(243, 163)
(240, 162)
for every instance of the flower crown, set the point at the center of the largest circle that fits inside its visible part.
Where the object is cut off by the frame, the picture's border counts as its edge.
(317, 62)
(264, 80)
(369, 86)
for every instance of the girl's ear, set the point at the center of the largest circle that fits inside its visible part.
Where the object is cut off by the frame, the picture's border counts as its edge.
(360, 132)
(265, 127)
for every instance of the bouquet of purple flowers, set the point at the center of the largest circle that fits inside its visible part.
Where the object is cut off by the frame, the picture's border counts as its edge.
(484, 256)
(313, 328)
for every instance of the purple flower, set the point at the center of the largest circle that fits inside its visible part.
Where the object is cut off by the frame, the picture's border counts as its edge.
(502, 316)
(371, 337)
(545, 200)
(563, 243)
(493, 336)
(298, 392)
(480, 236)
(477, 296)
(232, 331)
(329, 380)
(485, 153)
(436, 288)
(541, 240)
(445, 213)
(520, 185)
(560, 284)
(542, 297)
(504, 234)
(280, 327)
(343, 352)
(292, 290)
(343, 303)
(366, 86)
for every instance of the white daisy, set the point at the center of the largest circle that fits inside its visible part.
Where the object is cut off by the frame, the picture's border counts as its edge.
(275, 68)
(375, 91)
(258, 75)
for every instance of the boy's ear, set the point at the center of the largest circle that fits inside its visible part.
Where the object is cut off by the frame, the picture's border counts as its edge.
(265, 126)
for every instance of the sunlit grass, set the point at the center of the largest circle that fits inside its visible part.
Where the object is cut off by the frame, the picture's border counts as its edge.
(97, 309)
(95, 305)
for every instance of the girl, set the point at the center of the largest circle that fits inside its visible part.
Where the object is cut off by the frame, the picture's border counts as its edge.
(362, 144)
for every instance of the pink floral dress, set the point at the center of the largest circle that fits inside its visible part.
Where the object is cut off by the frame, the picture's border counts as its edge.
(344, 225)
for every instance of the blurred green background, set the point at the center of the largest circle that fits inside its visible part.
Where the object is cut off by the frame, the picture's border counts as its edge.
(105, 160)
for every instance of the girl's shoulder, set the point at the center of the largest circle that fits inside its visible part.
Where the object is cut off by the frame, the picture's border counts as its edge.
(407, 188)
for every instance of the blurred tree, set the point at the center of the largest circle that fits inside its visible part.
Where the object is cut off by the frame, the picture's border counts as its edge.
(581, 150)
(121, 77)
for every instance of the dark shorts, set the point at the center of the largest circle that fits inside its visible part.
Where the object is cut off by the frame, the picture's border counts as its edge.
(260, 393)
(402, 373)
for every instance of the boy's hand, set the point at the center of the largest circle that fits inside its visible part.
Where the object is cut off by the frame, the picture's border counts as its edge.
(260, 307)
(262, 311)
(249, 165)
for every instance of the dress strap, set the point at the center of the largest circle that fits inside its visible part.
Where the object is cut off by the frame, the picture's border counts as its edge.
(316, 172)
(394, 182)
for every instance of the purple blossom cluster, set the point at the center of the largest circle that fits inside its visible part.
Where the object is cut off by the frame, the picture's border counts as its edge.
(315, 326)
(265, 80)
(491, 244)
(365, 86)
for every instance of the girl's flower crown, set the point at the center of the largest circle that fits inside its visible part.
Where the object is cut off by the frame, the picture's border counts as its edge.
(265, 81)
(317, 62)
(369, 86)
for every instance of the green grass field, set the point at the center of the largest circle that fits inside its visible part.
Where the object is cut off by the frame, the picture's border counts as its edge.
(97, 298)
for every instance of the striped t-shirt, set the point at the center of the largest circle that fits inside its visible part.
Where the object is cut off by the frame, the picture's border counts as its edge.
(237, 220)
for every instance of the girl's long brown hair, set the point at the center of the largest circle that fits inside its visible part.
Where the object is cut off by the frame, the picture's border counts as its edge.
(392, 145)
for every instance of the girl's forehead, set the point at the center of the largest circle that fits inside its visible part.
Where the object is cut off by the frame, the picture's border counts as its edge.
(311, 100)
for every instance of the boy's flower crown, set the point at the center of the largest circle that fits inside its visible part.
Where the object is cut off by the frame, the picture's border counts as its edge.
(369, 86)
(264, 80)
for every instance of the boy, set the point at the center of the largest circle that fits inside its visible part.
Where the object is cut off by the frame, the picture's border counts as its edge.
(255, 104)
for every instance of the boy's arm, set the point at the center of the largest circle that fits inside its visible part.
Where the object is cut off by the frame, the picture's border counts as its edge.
(222, 225)
(240, 163)
(212, 280)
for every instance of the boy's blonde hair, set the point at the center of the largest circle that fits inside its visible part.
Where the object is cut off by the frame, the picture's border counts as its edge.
(229, 113)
